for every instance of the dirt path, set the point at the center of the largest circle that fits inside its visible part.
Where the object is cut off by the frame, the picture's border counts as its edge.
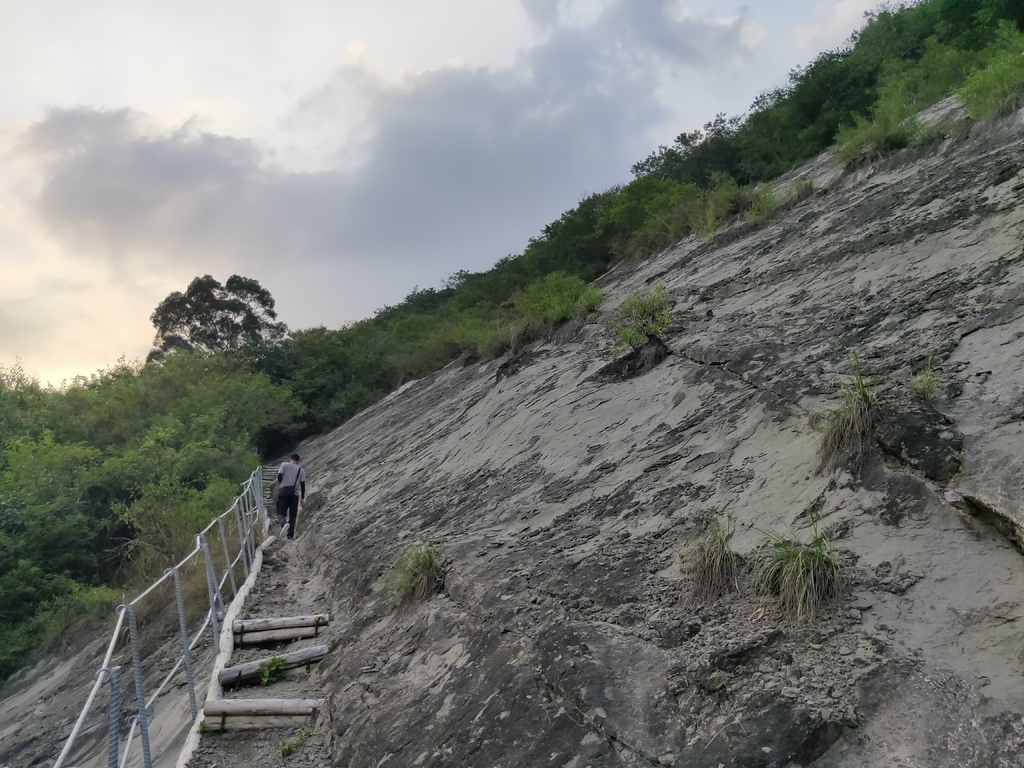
(284, 588)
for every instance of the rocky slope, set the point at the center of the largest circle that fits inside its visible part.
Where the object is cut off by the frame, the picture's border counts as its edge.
(564, 495)
(564, 499)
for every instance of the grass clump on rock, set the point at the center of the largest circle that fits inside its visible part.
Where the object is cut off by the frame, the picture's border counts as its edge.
(290, 746)
(711, 565)
(803, 577)
(416, 574)
(925, 383)
(848, 428)
(646, 315)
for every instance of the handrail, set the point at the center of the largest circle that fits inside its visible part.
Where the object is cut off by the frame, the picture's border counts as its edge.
(248, 515)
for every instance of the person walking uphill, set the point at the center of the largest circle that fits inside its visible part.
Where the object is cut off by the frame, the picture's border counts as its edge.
(291, 493)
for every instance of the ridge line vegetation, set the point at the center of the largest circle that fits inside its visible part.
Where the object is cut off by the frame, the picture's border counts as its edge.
(104, 480)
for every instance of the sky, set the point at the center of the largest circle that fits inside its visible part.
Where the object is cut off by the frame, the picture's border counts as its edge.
(341, 153)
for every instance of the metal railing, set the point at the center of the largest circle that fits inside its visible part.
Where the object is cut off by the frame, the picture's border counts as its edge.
(238, 525)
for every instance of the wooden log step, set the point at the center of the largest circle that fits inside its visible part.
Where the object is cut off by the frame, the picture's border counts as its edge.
(261, 707)
(276, 635)
(260, 625)
(253, 670)
(254, 722)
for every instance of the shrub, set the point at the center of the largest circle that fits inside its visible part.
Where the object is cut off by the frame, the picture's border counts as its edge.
(712, 566)
(803, 577)
(764, 202)
(272, 670)
(924, 383)
(416, 574)
(999, 87)
(847, 430)
(722, 199)
(290, 746)
(646, 315)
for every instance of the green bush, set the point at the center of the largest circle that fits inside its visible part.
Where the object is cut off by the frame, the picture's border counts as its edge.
(272, 670)
(646, 315)
(417, 573)
(763, 203)
(803, 577)
(722, 198)
(848, 428)
(711, 565)
(999, 87)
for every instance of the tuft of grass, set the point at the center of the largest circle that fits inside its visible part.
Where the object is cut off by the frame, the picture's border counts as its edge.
(803, 189)
(763, 203)
(290, 746)
(803, 577)
(416, 574)
(272, 670)
(924, 383)
(646, 315)
(711, 565)
(848, 428)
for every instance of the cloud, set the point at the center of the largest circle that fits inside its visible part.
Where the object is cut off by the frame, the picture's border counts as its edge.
(832, 20)
(441, 170)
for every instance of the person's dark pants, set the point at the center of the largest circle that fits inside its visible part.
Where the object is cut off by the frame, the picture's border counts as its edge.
(288, 506)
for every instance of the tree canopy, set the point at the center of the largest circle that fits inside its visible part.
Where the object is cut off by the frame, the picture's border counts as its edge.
(209, 317)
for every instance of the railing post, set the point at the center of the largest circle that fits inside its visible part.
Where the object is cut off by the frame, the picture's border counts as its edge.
(186, 652)
(113, 716)
(242, 547)
(140, 688)
(227, 557)
(213, 590)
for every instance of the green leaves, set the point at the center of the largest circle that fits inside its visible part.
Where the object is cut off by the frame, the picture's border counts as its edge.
(210, 317)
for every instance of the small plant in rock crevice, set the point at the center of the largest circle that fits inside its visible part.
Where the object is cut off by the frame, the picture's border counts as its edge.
(847, 429)
(924, 384)
(646, 315)
(803, 577)
(711, 565)
(272, 670)
(290, 746)
(417, 573)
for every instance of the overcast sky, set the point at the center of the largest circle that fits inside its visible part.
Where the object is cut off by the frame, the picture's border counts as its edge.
(339, 152)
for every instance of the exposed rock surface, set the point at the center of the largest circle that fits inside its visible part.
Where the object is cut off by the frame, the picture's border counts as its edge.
(564, 500)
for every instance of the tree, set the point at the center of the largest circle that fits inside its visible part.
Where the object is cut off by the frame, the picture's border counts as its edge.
(209, 317)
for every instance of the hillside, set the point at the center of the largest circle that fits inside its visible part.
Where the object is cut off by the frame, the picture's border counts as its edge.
(564, 497)
(565, 500)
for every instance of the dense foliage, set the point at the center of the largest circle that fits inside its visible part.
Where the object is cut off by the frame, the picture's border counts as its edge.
(108, 477)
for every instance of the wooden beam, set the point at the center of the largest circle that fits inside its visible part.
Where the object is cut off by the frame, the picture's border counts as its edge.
(260, 625)
(260, 707)
(254, 722)
(253, 670)
(277, 635)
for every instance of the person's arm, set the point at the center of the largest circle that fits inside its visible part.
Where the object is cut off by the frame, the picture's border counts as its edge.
(302, 483)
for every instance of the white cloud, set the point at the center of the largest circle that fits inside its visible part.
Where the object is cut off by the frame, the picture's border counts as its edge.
(831, 21)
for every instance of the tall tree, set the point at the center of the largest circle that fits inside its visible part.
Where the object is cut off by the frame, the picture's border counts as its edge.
(209, 317)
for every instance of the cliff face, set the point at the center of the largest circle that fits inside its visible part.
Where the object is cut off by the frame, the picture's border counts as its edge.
(564, 498)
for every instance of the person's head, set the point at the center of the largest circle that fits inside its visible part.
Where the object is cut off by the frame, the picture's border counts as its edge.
(294, 458)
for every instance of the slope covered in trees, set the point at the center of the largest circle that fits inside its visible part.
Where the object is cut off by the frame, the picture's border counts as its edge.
(117, 471)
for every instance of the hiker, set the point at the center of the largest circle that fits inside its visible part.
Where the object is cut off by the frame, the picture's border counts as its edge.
(291, 492)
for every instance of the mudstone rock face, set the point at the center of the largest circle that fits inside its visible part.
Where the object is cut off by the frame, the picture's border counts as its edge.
(564, 495)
